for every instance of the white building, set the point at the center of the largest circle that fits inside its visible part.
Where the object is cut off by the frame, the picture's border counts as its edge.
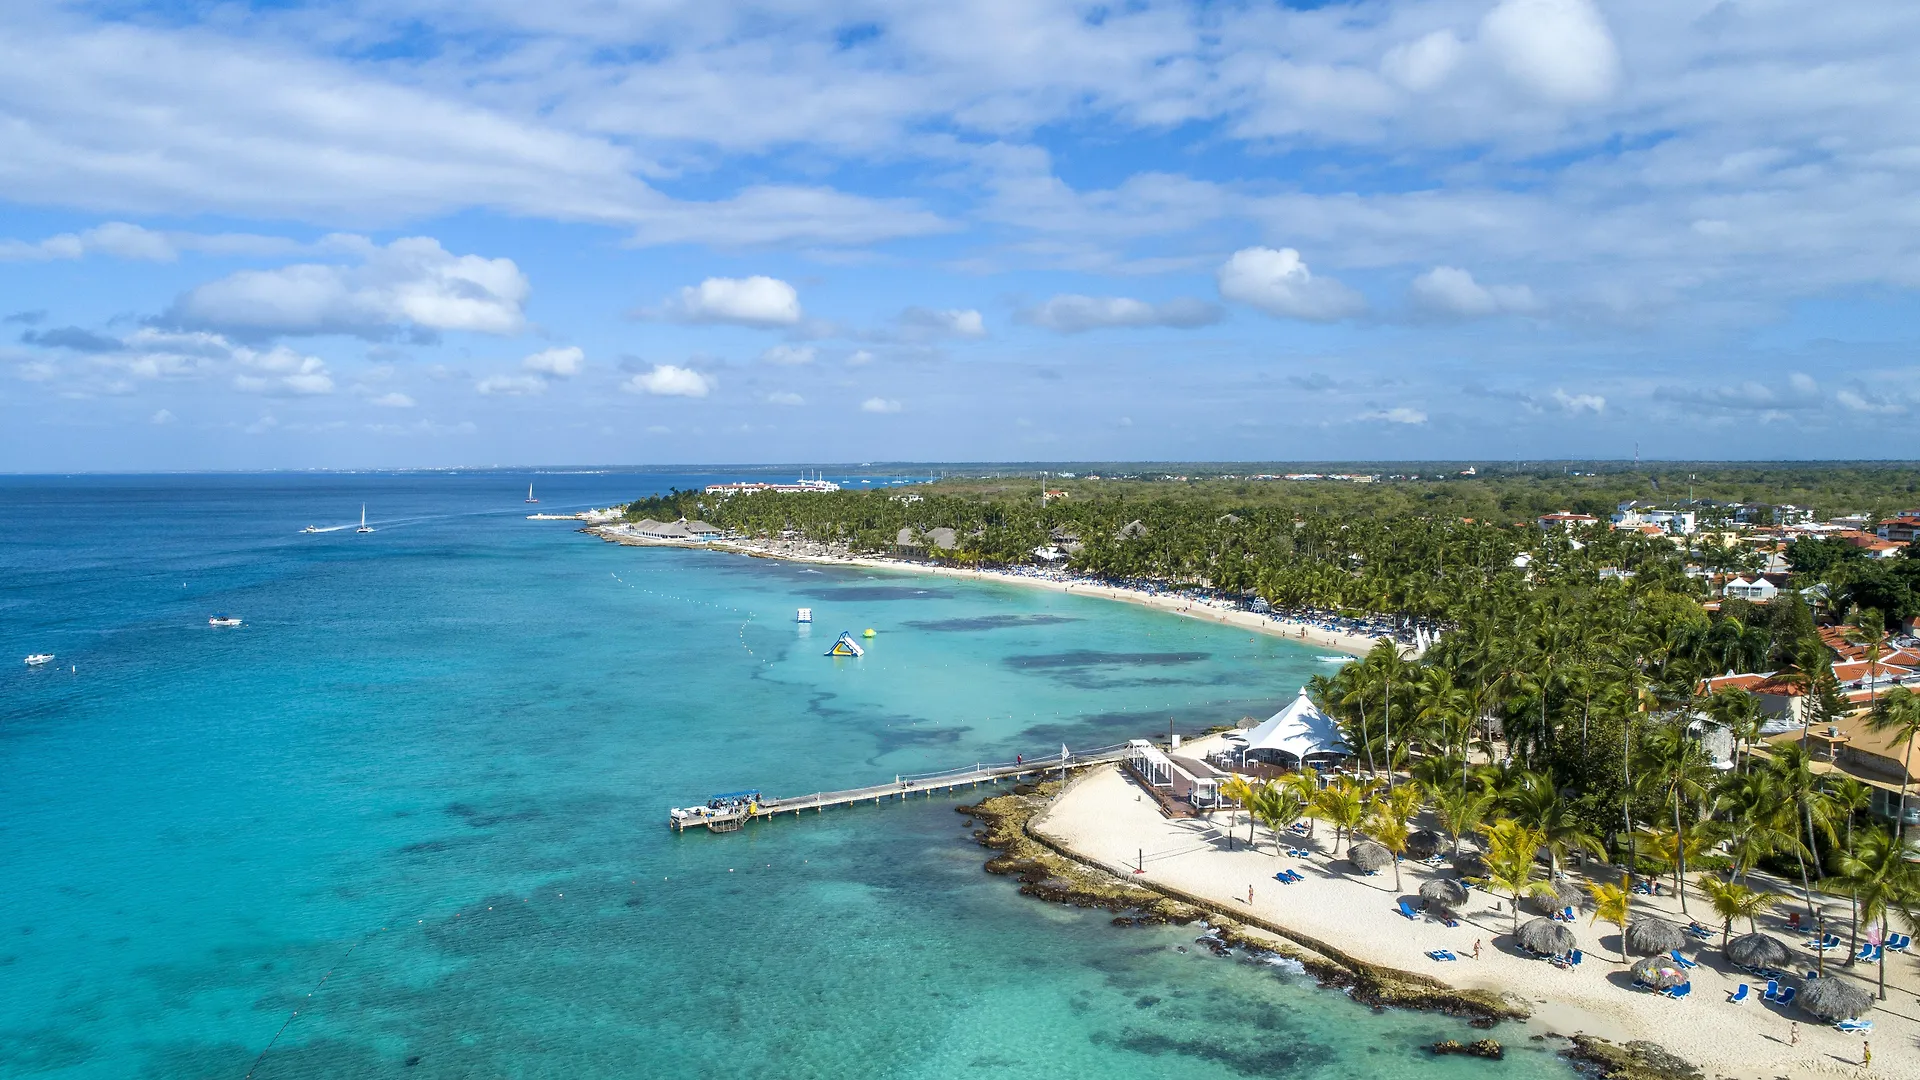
(1297, 735)
(1758, 590)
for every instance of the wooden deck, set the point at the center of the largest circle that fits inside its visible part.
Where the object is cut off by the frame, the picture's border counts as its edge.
(902, 787)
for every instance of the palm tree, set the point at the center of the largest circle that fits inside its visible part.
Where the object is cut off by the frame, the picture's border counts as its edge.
(1511, 848)
(1676, 768)
(1881, 879)
(1276, 806)
(1462, 812)
(1899, 714)
(1674, 848)
(1793, 770)
(1610, 902)
(1732, 900)
(1388, 829)
(1848, 797)
(1866, 627)
(1242, 793)
(1342, 804)
(1539, 807)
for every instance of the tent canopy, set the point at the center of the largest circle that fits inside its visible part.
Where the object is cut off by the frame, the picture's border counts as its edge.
(1297, 734)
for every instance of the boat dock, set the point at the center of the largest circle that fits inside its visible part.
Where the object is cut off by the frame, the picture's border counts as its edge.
(733, 811)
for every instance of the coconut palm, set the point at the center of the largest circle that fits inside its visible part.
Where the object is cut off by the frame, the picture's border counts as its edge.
(1732, 900)
(1241, 792)
(1511, 848)
(1674, 767)
(1539, 807)
(1882, 880)
(1792, 770)
(1849, 797)
(1463, 812)
(1611, 902)
(1277, 807)
(1898, 714)
(1342, 804)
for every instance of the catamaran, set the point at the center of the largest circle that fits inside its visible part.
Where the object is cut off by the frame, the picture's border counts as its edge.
(223, 620)
(364, 527)
(530, 497)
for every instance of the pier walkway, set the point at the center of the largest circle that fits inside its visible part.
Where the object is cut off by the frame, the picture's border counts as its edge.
(731, 818)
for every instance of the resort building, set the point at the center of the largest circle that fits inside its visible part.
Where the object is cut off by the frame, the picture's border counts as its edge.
(1567, 519)
(910, 543)
(1782, 703)
(1297, 735)
(1758, 590)
(1876, 759)
(696, 531)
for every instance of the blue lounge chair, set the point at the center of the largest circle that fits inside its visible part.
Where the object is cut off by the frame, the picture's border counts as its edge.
(1407, 910)
(1898, 942)
(1786, 996)
(1574, 958)
(1681, 960)
(1856, 1027)
(1773, 990)
(1700, 932)
(1865, 953)
(1738, 997)
(1441, 954)
(1870, 953)
(1677, 992)
(1282, 878)
(1449, 922)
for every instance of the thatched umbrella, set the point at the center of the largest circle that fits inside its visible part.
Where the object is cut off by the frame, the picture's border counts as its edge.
(1648, 935)
(1659, 972)
(1370, 856)
(1546, 937)
(1444, 891)
(1565, 894)
(1470, 864)
(1833, 999)
(1757, 951)
(1425, 844)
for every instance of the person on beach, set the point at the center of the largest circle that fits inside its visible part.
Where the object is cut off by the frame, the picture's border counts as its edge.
(1793, 1034)
(1249, 894)
(1866, 1053)
(1476, 948)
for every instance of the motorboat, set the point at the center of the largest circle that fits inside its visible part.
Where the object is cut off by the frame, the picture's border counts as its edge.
(39, 658)
(311, 529)
(223, 620)
(364, 527)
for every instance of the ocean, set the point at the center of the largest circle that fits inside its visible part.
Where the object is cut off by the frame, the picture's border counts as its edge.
(408, 819)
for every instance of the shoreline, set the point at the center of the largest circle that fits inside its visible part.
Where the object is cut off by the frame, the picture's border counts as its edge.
(1340, 641)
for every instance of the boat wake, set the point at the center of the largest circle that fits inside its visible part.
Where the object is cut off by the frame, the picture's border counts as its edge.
(328, 529)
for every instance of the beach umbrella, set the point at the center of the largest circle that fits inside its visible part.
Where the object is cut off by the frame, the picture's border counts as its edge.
(1833, 999)
(1370, 856)
(1425, 844)
(1564, 894)
(1545, 936)
(1470, 864)
(1659, 972)
(1444, 891)
(1650, 935)
(1757, 951)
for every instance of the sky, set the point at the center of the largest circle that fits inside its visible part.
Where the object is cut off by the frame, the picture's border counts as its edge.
(490, 232)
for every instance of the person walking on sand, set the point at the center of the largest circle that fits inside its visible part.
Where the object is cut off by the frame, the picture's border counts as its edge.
(1476, 948)
(1866, 1053)
(1793, 1034)
(1249, 894)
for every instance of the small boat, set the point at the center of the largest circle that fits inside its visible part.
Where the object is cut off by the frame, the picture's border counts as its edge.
(311, 529)
(530, 497)
(364, 527)
(846, 646)
(223, 620)
(39, 658)
(805, 615)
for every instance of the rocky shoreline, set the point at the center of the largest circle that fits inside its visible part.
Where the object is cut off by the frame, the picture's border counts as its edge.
(1050, 873)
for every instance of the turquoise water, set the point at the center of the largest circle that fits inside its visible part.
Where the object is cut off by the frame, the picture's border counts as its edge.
(408, 819)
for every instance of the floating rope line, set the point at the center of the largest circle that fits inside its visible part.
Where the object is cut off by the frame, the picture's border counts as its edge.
(698, 603)
(295, 1014)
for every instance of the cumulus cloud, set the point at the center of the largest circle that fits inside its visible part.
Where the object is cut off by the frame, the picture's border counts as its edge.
(949, 322)
(1860, 403)
(562, 363)
(393, 400)
(785, 398)
(1398, 415)
(280, 370)
(123, 240)
(1578, 403)
(73, 338)
(412, 284)
(1279, 283)
(768, 214)
(1424, 64)
(1451, 291)
(161, 416)
(757, 301)
(667, 380)
(1803, 383)
(1559, 49)
(1070, 313)
(789, 354)
(511, 385)
(880, 405)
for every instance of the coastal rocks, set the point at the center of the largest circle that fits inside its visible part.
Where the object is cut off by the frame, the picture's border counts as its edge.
(1632, 1061)
(1480, 1048)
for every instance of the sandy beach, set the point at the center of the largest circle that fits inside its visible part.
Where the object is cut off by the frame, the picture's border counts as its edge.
(1321, 637)
(1105, 818)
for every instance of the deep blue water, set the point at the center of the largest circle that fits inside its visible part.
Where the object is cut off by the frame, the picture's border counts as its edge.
(408, 819)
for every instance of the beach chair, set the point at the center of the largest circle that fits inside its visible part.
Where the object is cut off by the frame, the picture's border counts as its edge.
(1773, 991)
(1677, 992)
(1449, 922)
(1681, 960)
(1282, 878)
(1856, 1027)
(1700, 932)
(1865, 953)
(1407, 910)
(1738, 997)
(1786, 996)
(1898, 942)
(1441, 954)
(1566, 914)
(1574, 958)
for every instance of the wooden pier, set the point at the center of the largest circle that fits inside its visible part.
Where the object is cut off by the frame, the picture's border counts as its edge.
(731, 818)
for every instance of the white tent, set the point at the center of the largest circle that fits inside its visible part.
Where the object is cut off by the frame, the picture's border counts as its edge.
(1299, 733)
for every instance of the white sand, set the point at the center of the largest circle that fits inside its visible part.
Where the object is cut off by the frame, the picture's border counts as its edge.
(1106, 819)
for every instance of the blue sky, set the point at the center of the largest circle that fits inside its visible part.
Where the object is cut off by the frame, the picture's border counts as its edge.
(419, 232)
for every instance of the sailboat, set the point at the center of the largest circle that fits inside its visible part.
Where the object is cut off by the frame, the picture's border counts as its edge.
(530, 497)
(364, 527)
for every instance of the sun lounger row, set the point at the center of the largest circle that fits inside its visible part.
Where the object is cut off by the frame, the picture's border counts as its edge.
(1855, 1027)
(1677, 992)
(1569, 961)
(1299, 853)
(1777, 994)
(1441, 954)
(1288, 877)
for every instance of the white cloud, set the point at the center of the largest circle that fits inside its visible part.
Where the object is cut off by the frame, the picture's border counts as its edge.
(1861, 404)
(1069, 313)
(1577, 403)
(122, 240)
(767, 215)
(758, 301)
(859, 357)
(161, 417)
(280, 370)
(666, 380)
(785, 398)
(1279, 283)
(789, 354)
(392, 400)
(1449, 290)
(1560, 49)
(511, 385)
(411, 284)
(1803, 383)
(879, 405)
(1424, 64)
(950, 322)
(562, 363)
(1399, 415)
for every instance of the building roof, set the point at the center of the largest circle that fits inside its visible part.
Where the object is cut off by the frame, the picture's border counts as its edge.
(1762, 682)
(1851, 737)
(1300, 729)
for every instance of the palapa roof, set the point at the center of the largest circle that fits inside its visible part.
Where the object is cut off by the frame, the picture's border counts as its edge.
(1300, 729)
(1546, 937)
(1565, 894)
(1660, 972)
(1757, 951)
(1647, 934)
(1470, 864)
(1368, 855)
(1425, 843)
(1834, 998)
(1444, 891)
